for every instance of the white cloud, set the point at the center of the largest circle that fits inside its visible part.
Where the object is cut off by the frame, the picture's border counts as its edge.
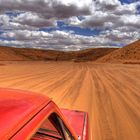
(74, 21)
(49, 8)
(61, 40)
(118, 23)
(4, 20)
(112, 13)
(131, 20)
(32, 19)
(126, 9)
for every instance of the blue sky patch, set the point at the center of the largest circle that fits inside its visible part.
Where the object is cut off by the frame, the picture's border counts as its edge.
(61, 26)
(128, 1)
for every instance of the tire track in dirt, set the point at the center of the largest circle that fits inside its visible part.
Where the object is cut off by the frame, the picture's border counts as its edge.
(127, 111)
(129, 91)
(72, 91)
(26, 78)
(109, 93)
(69, 94)
(36, 78)
(53, 84)
(101, 97)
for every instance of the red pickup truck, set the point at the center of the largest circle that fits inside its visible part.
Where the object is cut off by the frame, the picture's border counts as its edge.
(26, 115)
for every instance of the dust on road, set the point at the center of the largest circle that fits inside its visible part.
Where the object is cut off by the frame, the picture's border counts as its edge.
(110, 93)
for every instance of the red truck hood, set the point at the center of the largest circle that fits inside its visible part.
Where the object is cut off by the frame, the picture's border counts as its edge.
(79, 121)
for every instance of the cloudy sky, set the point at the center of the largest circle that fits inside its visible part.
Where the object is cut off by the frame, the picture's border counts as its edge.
(69, 24)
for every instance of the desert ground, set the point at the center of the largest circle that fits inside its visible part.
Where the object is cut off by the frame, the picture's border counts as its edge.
(110, 93)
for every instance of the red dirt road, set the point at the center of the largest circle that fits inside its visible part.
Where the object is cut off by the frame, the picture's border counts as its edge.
(110, 93)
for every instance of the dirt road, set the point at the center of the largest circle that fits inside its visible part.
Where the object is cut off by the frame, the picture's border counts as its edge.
(110, 93)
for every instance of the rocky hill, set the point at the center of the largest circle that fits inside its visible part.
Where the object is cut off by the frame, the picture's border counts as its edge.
(127, 54)
(23, 54)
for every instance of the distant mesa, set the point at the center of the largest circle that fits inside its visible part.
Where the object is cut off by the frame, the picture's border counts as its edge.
(129, 54)
(27, 54)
